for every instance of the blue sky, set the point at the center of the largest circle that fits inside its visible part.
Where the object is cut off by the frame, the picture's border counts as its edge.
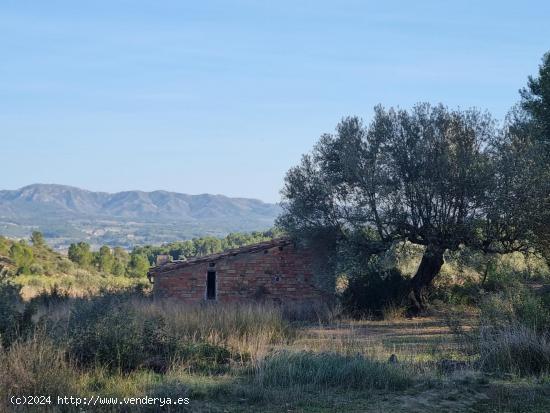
(225, 96)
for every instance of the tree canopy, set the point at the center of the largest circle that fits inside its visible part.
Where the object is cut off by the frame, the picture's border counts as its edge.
(431, 176)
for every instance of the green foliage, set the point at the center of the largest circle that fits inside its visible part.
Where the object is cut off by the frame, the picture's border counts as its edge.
(37, 239)
(104, 259)
(81, 254)
(120, 261)
(105, 330)
(198, 247)
(517, 306)
(23, 256)
(138, 265)
(4, 246)
(536, 101)
(374, 290)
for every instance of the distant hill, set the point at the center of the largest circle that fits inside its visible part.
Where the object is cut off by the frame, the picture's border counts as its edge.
(66, 214)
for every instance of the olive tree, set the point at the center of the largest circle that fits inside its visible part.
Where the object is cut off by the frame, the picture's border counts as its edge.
(429, 176)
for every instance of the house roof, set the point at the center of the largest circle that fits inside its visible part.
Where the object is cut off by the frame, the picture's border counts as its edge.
(247, 249)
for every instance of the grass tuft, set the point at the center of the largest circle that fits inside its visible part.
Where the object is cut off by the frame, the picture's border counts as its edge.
(322, 370)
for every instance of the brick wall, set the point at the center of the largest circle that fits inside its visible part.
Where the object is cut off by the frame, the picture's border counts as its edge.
(278, 274)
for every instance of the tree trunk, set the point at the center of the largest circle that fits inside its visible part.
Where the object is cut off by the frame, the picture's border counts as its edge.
(429, 267)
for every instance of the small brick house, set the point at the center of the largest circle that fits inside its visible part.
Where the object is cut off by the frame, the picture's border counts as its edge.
(276, 271)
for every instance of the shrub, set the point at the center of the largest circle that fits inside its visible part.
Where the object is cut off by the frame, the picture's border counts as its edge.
(318, 370)
(110, 331)
(107, 330)
(36, 269)
(370, 292)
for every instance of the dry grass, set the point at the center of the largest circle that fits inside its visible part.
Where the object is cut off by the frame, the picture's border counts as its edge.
(246, 329)
(35, 367)
(515, 350)
(339, 366)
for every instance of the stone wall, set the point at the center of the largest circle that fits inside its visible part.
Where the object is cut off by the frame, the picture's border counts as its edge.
(281, 274)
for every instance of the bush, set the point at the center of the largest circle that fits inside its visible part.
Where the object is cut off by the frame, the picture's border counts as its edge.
(318, 370)
(108, 331)
(369, 293)
(36, 269)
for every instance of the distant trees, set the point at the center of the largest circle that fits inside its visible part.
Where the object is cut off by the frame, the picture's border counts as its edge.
(198, 247)
(104, 259)
(37, 239)
(120, 261)
(23, 257)
(81, 254)
(136, 263)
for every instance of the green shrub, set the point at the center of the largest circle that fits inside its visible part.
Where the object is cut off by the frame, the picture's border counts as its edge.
(370, 292)
(106, 330)
(321, 370)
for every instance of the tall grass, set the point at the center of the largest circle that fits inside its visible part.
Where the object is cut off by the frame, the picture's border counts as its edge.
(322, 370)
(515, 349)
(514, 333)
(36, 366)
(247, 329)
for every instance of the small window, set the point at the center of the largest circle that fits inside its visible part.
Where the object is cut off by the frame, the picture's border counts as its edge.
(211, 285)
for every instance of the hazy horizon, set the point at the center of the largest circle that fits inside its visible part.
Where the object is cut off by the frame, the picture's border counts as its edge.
(125, 190)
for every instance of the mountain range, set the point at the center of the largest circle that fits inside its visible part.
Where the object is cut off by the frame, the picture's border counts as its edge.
(67, 214)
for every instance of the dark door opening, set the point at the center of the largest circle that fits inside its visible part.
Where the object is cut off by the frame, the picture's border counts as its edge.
(211, 285)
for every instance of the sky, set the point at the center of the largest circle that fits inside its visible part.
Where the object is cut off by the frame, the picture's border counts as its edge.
(224, 97)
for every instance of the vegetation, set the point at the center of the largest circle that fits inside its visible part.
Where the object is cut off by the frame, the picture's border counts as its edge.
(36, 267)
(438, 178)
(442, 207)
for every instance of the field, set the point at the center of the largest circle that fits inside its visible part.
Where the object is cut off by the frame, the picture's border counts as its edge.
(257, 358)
(482, 346)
